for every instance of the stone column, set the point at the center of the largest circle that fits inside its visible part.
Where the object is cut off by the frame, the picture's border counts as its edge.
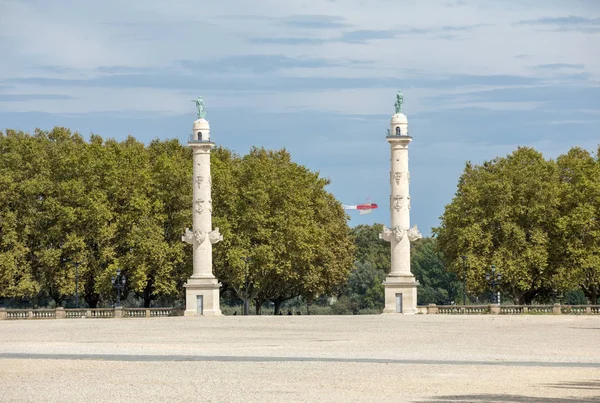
(400, 285)
(202, 210)
(400, 206)
(202, 288)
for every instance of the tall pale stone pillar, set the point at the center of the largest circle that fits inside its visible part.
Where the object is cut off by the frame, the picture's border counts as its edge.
(400, 284)
(202, 288)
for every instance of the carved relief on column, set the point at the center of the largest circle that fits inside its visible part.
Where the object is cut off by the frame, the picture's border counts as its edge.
(188, 237)
(398, 176)
(199, 236)
(398, 202)
(199, 181)
(386, 235)
(408, 202)
(210, 206)
(399, 233)
(198, 206)
(215, 236)
(413, 234)
(191, 236)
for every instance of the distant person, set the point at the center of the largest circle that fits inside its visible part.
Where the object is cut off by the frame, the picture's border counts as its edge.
(290, 312)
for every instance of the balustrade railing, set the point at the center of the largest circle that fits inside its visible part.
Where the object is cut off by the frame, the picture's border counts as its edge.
(459, 309)
(43, 314)
(61, 313)
(17, 314)
(76, 313)
(134, 313)
(540, 309)
(512, 309)
(101, 313)
(509, 309)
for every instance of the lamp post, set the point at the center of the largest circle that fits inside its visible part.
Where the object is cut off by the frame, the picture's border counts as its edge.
(118, 282)
(493, 280)
(246, 286)
(464, 260)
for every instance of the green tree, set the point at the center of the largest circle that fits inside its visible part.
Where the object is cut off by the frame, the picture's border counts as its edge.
(365, 286)
(19, 169)
(153, 253)
(502, 214)
(279, 215)
(371, 249)
(108, 205)
(437, 285)
(576, 237)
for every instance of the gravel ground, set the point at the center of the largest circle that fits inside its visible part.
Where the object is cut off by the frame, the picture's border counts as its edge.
(435, 358)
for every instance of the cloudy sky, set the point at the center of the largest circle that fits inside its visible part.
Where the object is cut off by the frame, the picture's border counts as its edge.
(317, 77)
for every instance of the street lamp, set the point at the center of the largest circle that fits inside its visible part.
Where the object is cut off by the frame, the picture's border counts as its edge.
(118, 282)
(493, 280)
(246, 286)
(464, 260)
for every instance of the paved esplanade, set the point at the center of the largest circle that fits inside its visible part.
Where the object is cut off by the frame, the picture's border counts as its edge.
(436, 358)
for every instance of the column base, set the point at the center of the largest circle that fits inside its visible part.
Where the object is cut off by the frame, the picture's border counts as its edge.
(400, 294)
(202, 297)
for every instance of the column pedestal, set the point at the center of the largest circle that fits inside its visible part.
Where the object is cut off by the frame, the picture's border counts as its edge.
(400, 294)
(208, 290)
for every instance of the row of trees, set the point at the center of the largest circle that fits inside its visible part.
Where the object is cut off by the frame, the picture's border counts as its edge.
(99, 205)
(102, 205)
(536, 220)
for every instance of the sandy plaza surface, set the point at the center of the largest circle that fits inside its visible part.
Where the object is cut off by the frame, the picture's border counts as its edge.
(382, 358)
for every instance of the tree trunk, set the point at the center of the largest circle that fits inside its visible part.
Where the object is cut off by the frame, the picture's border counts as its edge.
(277, 306)
(246, 306)
(259, 305)
(148, 294)
(592, 294)
(92, 300)
(594, 297)
(90, 296)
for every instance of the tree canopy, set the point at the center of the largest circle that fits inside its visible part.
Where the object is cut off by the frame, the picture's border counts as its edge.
(536, 220)
(278, 214)
(103, 204)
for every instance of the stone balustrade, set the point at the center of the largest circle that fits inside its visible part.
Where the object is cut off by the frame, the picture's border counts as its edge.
(556, 309)
(61, 313)
(431, 309)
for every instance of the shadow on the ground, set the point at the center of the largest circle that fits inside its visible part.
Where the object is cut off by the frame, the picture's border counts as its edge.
(503, 398)
(510, 398)
(590, 385)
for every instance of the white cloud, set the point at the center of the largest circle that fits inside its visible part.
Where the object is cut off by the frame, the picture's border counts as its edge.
(71, 39)
(84, 35)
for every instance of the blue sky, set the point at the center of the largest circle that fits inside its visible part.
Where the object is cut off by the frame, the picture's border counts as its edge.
(316, 77)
